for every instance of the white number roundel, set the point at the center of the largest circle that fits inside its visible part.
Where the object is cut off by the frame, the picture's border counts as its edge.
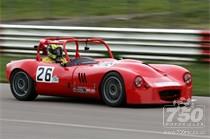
(44, 74)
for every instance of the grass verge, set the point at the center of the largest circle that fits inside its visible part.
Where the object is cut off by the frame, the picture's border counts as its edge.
(182, 13)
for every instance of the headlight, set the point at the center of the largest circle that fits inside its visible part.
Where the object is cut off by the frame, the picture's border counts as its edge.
(138, 81)
(187, 78)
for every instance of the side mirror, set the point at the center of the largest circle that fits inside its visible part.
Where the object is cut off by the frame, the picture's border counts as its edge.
(35, 46)
(87, 48)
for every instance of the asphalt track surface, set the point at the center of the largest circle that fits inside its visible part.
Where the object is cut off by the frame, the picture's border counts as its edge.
(66, 118)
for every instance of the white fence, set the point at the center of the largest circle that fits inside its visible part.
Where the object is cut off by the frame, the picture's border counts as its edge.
(145, 44)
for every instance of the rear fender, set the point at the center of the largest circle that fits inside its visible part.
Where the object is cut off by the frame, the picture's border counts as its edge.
(28, 66)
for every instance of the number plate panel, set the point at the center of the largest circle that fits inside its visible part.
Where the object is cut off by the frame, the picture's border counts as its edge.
(44, 74)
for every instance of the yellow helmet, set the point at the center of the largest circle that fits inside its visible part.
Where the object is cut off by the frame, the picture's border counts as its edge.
(55, 51)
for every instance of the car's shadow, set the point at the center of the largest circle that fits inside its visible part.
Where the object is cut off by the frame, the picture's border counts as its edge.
(89, 101)
(74, 100)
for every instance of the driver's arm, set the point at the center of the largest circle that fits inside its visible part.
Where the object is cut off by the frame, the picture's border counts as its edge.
(63, 61)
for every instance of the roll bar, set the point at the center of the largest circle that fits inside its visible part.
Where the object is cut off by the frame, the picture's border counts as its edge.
(63, 41)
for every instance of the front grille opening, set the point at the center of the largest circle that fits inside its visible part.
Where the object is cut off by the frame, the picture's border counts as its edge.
(170, 95)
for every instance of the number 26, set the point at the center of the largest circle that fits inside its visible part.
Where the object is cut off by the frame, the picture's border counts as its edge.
(44, 74)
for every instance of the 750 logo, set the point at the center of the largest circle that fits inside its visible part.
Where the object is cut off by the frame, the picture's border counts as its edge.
(184, 116)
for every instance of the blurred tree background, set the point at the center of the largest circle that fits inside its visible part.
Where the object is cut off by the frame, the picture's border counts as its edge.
(109, 13)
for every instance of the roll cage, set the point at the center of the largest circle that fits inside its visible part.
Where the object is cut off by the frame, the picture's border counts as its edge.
(63, 41)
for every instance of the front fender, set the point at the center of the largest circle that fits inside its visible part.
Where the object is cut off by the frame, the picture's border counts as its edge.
(175, 71)
(128, 78)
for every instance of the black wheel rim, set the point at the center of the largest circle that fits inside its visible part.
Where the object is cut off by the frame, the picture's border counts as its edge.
(112, 90)
(20, 84)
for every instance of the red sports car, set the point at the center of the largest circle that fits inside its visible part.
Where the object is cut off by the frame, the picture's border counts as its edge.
(116, 82)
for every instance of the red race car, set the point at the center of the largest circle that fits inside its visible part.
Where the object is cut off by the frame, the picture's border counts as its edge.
(116, 82)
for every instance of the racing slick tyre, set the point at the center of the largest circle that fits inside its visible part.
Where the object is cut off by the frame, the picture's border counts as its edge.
(22, 86)
(113, 90)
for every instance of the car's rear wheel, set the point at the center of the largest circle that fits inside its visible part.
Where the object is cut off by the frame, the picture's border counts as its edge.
(22, 86)
(113, 90)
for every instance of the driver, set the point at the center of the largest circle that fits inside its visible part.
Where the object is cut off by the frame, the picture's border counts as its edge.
(55, 54)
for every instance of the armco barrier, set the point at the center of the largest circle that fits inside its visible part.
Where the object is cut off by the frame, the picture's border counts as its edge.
(145, 44)
(205, 46)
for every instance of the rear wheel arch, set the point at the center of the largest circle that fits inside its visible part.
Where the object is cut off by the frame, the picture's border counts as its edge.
(13, 72)
(17, 70)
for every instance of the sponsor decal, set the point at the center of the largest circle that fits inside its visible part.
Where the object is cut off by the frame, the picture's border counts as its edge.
(83, 89)
(55, 79)
(106, 64)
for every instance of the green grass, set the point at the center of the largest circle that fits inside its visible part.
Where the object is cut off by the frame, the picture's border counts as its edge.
(201, 78)
(200, 73)
(3, 61)
(182, 13)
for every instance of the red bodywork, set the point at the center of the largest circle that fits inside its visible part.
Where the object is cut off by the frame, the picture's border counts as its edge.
(162, 83)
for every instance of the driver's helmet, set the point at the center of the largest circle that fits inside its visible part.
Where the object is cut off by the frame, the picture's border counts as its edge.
(55, 51)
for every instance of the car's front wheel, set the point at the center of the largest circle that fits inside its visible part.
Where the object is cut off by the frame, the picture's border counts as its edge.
(22, 86)
(113, 90)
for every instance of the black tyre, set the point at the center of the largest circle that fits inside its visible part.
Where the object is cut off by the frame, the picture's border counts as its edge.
(22, 86)
(113, 90)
